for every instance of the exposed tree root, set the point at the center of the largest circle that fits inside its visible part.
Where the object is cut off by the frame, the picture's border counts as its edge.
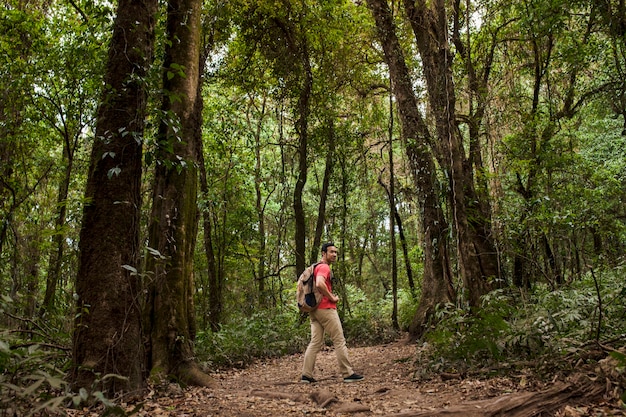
(278, 395)
(522, 404)
(191, 374)
(323, 398)
(579, 391)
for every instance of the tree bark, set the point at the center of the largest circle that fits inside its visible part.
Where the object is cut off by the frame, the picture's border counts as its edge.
(260, 207)
(107, 335)
(478, 262)
(321, 213)
(302, 129)
(214, 277)
(56, 257)
(392, 221)
(170, 315)
(437, 280)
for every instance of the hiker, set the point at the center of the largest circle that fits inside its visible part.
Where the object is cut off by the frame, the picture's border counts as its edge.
(325, 319)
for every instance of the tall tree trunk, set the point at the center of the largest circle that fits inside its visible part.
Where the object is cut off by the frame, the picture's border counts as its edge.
(215, 284)
(56, 257)
(260, 275)
(174, 219)
(107, 332)
(405, 251)
(302, 129)
(392, 220)
(478, 262)
(403, 243)
(437, 280)
(321, 212)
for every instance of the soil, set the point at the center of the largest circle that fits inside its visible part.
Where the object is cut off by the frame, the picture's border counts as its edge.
(391, 388)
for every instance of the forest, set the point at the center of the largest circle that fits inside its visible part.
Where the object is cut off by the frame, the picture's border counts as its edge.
(169, 168)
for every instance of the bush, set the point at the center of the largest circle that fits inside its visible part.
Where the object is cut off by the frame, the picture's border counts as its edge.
(367, 322)
(269, 333)
(511, 326)
(284, 331)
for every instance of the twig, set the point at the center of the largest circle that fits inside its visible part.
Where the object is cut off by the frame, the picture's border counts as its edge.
(595, 281)
(48, 345)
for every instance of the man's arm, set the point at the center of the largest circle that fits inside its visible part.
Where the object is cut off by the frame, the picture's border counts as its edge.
(320, 283)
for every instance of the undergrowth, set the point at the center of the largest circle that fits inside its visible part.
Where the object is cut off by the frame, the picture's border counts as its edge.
(34, 358)
(284, 331)
(511, 329)
(545, 326)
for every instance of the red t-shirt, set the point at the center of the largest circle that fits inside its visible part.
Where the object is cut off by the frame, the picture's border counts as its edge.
(324, 270)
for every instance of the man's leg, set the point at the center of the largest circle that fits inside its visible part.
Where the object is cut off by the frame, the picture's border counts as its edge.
(315, 345)
(332, 324)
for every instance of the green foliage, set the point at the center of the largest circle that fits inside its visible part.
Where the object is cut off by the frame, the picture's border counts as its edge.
(407, 307)
(510, 326)
(368, 321)
(33, 379)
(33, 364)
(279, 332)
(459, 334)
(265, 334)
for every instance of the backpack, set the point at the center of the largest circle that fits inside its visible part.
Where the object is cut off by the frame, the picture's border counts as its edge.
(307, 294)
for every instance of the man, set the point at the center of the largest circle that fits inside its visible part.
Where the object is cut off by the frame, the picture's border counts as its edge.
(325, 319)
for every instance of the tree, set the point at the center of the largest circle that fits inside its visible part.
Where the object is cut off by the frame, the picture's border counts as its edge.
(477, 257)
(24, 166)
(107, 332)
(174, 219)
(67, 76)
(437, 278)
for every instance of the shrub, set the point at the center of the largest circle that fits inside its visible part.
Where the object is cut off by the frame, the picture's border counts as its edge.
(269, 333)
(511, 325)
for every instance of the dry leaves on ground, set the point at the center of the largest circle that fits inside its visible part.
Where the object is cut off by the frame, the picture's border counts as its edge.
(272, 388)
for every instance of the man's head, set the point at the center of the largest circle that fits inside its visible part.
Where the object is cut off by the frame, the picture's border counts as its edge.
(326, 245)
(329, 252)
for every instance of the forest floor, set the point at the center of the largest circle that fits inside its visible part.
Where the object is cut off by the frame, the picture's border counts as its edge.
(390, 388)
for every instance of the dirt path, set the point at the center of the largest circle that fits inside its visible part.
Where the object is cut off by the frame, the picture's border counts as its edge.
(273, 389)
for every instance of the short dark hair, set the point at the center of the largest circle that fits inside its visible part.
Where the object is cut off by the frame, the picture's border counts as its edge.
(326, 245)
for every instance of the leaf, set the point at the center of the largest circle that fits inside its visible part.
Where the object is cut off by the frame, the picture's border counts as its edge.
(130, 268)
(83, 394)
(56, 383)
(120, 377)
(76, 400)
(114, 171)
(100, 396)
(33, 387)
(53, 405)
(4, 347)
(155, 253)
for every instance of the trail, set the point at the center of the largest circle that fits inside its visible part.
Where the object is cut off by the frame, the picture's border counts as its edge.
(391, 388)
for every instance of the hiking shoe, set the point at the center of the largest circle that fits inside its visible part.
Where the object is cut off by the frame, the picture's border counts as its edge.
(353, 378)
(307, 380)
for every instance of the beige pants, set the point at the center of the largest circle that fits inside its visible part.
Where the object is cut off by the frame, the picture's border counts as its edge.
(326, 321)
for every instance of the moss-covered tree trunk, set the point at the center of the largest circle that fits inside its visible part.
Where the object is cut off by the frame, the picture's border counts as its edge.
(107, 335)
(437, 280)
(174, 219)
